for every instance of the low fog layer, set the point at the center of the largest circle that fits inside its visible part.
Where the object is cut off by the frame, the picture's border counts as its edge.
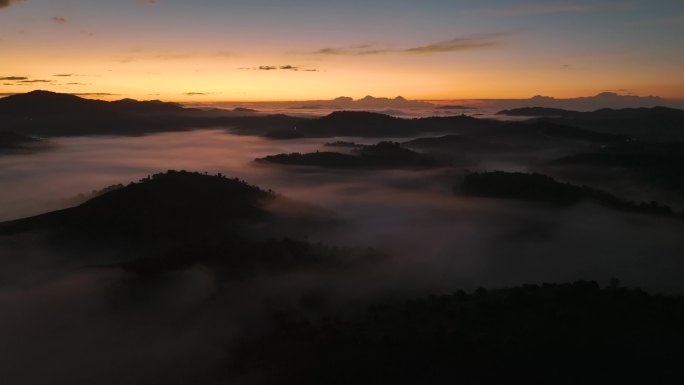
(410, 214)
(81, 324)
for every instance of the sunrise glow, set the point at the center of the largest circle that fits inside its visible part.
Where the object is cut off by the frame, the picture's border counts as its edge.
(264, 50)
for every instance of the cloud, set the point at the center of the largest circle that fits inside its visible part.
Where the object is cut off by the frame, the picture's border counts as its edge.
(538, 9)
(140, 55)
(458, 44)
(468, 43)
(95, 94)
(621, 92)
(58, 20)
(286, 67)
(150, 2)
(63, 75)
(678, 19)
(197, 93)
(672, 20)
(7, 3)
(22, 80)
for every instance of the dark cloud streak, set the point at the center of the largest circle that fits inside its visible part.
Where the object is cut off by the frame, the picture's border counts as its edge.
(286, 67)
(458, 44)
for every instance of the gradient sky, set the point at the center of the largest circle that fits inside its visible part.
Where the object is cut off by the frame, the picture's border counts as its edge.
(306, 49)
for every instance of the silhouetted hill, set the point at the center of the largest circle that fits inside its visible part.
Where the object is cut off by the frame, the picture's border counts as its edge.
(52, 114)
(176, 219)
(446, 141)
(340, 143)
(538, 112)
(538, 187)
(657, 123)
(458, 147)
(513, 138)
(381, 155)
(163, 205)
(585, 103)
(371, 124)
(550, 334)
(318, 159)
(351, 123)
(636, 154)
(659, 163)
(41, 103)
(544, 132)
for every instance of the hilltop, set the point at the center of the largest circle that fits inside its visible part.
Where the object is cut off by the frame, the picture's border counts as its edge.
(176, 219)
(383, 155)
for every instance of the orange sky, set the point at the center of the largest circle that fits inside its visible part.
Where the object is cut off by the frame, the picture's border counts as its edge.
(260, 50)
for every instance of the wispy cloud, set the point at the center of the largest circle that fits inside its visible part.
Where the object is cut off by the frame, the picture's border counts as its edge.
(19, 80)
(286, 67)
(457, 44)
(58, 20)
(670, 20)
(154, 56)
(95, 94)
(555, 7)
(7, 3)
(677, 19)
(137, 54)
(197, 93)
(538, 8)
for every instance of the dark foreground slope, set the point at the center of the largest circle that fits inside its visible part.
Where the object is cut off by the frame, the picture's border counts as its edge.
(177, 219)
(549, 334)
(172, 204)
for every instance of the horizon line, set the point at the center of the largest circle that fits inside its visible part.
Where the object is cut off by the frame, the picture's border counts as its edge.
(114, 97)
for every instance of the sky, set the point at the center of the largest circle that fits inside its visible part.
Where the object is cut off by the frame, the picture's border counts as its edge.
(252, 50)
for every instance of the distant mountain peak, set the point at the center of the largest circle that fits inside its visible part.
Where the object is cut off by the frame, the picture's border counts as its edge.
(127, 100)
(542, 97)
(43, 94)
